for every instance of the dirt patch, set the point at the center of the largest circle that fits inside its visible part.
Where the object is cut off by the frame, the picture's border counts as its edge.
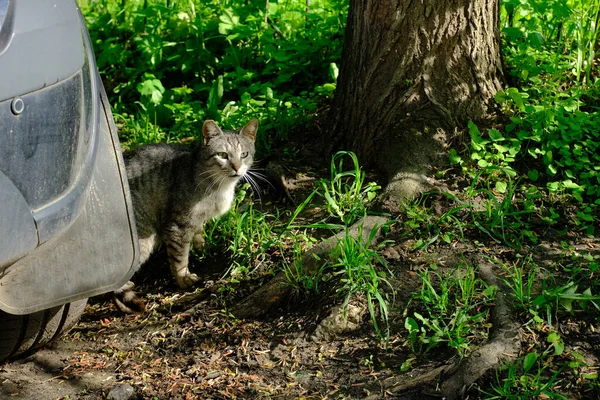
(189, 346)
(183, 348)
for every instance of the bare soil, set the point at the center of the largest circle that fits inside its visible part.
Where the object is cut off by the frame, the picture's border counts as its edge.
(188, 346)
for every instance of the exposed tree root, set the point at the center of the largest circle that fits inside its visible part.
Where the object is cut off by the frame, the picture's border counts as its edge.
(405, 186)
(505, 343)
(341, 319)
(277, 290)
(451, 381)
(401, 384)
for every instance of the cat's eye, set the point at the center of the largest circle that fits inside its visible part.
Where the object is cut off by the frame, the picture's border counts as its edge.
(223, 155)
(244, 154)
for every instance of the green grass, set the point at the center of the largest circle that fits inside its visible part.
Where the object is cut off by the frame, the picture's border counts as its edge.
(522, 381)
(355, 262)
(449, 309)
(543, 299)
(532, 175)
(346, 194)
(170, 65)
(244, 233)
(292, 264)
(251, 238)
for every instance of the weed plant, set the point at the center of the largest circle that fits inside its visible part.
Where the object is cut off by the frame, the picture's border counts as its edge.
(345, 195)
(551, 135)
(244, 232)
(170, 65)
(500, 217)
(293, 267)
(248, 236)
(355, 262)
(523, 382)
(539, 295)
(453, 310)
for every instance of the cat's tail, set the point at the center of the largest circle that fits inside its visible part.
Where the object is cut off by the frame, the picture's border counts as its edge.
(127, 301)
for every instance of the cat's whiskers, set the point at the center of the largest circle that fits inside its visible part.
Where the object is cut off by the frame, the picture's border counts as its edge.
(168, 181)
(212, 184)
(253, 184)
(210, 177)
(260, 176)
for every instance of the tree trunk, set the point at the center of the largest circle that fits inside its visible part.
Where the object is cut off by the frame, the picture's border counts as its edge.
(411, 73)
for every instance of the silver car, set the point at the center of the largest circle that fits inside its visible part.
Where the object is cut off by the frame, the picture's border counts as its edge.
(66, 224)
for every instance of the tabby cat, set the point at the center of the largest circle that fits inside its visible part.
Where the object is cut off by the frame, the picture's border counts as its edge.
(175, 190)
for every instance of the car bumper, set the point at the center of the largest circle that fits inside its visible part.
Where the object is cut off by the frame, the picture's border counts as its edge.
(96, 254)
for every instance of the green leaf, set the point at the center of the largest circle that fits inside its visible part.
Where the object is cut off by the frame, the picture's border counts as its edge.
(407, 364)
(214, 98)
(585, 217)
(334, 71)
(476, 140)
(269, 93)
(495, 135)
(500, 97)
(513, 33)
(536, 39)
(533, 175)
(557, 342)
(529, 361)
(553, 186)
(151, 88)
(490, 291)
(501, 149)
(454, 157)
(446, 238)
(559, 348)
(411, 325)
(553, 337)
(228, 21)
(569, 184)
(516, 97)
(501, 187)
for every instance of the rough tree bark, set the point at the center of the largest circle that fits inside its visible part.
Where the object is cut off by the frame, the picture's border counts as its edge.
(411, 73)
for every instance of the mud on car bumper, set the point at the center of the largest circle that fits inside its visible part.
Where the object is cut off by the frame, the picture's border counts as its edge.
(66, 224)
(95, 255)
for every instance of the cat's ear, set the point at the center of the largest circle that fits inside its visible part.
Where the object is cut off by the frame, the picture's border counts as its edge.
(210, 130)
(250, 129)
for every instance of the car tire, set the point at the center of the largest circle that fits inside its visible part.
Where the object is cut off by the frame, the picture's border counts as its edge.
(22, 334)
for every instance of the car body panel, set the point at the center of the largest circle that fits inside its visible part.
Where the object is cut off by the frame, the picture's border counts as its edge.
(16, 213)
(97, 254)
(66, 222)
(40, 44)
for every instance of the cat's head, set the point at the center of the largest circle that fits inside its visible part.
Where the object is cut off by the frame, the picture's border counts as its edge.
(232, 152)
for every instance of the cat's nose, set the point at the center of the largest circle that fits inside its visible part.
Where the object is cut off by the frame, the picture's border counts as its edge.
(235, 167)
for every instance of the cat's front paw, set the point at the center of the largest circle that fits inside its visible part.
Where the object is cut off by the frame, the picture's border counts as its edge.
(187, 281)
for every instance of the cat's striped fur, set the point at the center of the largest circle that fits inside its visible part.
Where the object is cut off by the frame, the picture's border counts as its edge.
(175, 190)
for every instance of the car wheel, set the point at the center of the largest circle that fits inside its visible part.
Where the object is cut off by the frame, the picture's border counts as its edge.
(22, 334)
